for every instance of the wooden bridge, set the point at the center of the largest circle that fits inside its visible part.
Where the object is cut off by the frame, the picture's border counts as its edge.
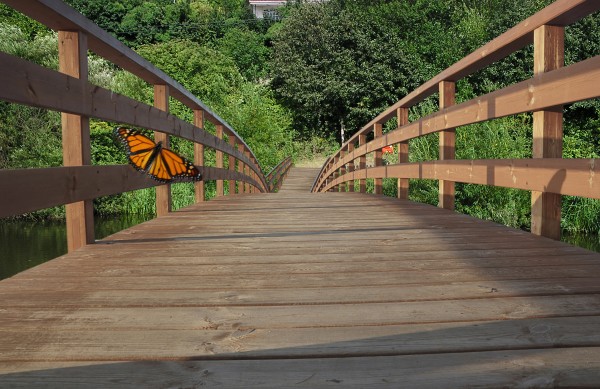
(297, 288)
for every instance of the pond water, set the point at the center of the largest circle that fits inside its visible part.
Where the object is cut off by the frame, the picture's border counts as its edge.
(24, 244)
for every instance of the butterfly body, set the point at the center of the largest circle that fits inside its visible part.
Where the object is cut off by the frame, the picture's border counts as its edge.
(158, 162)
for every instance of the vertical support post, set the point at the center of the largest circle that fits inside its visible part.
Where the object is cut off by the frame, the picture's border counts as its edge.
(403, 183)
(163, 192)
(219, 161)
(232, 142)
(199, 155)
(342, 187)
(378, 182)
(548, 55)
(335, 174)
(241, 169)
(447, 145)
(72, 54)
(362, 164)
(247, 168)
(351, 167)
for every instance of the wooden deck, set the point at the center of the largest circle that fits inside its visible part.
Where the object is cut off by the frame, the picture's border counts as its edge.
(306, 290)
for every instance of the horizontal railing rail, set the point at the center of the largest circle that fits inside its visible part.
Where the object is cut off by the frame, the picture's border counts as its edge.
(68, 91)
(277, 175)
(547, 175)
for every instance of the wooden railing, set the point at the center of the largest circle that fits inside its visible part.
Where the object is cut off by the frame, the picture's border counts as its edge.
(547, 175)
(277, 175)
(68, 91)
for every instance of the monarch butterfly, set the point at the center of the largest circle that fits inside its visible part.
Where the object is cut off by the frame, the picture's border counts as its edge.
(160, 163)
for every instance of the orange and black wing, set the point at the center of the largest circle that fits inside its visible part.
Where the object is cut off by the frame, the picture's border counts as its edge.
(140, 149)
(170, 164)
(161, 164)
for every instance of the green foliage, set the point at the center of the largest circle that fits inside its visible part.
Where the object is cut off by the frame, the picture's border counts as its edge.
(261, 122)
(29, 27)
(343, 62)
(247, 49)
(207, 73)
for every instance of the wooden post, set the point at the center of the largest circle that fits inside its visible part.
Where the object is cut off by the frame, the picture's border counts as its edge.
(232, 142)
(547, 131)
(342, 187)
(241, 169)
(247, 168)
(219, 161)
(163, 192)
(447, 145)
(351, 167)
(199, 156)
(335, 174)
(378, 182)
(362, 164)
(72, 58)
(403, 183)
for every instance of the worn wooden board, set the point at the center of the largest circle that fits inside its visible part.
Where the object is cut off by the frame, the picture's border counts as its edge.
(255, 286)
(563, 367)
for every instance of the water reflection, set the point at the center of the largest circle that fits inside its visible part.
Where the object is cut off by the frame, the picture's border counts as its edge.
(25, 244)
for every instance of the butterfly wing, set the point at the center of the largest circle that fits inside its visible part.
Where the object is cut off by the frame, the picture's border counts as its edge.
(177, 167)
(140, 149)
(161, 164)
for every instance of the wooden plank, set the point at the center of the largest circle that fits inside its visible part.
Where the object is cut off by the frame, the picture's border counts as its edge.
(311, 280)
(513, 368)
(574, 177)
(173, 318)
(306, 342)
(21, 192)
(199, 296)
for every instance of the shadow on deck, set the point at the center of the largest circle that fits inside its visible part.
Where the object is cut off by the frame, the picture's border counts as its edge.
(307, 290)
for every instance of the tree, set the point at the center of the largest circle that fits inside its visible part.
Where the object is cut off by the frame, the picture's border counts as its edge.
(343, 62)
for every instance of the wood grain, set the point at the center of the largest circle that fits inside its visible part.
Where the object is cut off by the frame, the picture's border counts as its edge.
(260, 283)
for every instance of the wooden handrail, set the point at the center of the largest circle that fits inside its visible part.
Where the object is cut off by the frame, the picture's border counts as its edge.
(69, 92)
(545, 92)
(276, 176)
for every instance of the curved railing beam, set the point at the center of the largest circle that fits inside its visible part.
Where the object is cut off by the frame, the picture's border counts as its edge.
(573, 177)
(27, 190)
(277, 174)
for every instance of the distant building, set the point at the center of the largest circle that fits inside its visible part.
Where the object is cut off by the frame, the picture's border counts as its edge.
(268, 8)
